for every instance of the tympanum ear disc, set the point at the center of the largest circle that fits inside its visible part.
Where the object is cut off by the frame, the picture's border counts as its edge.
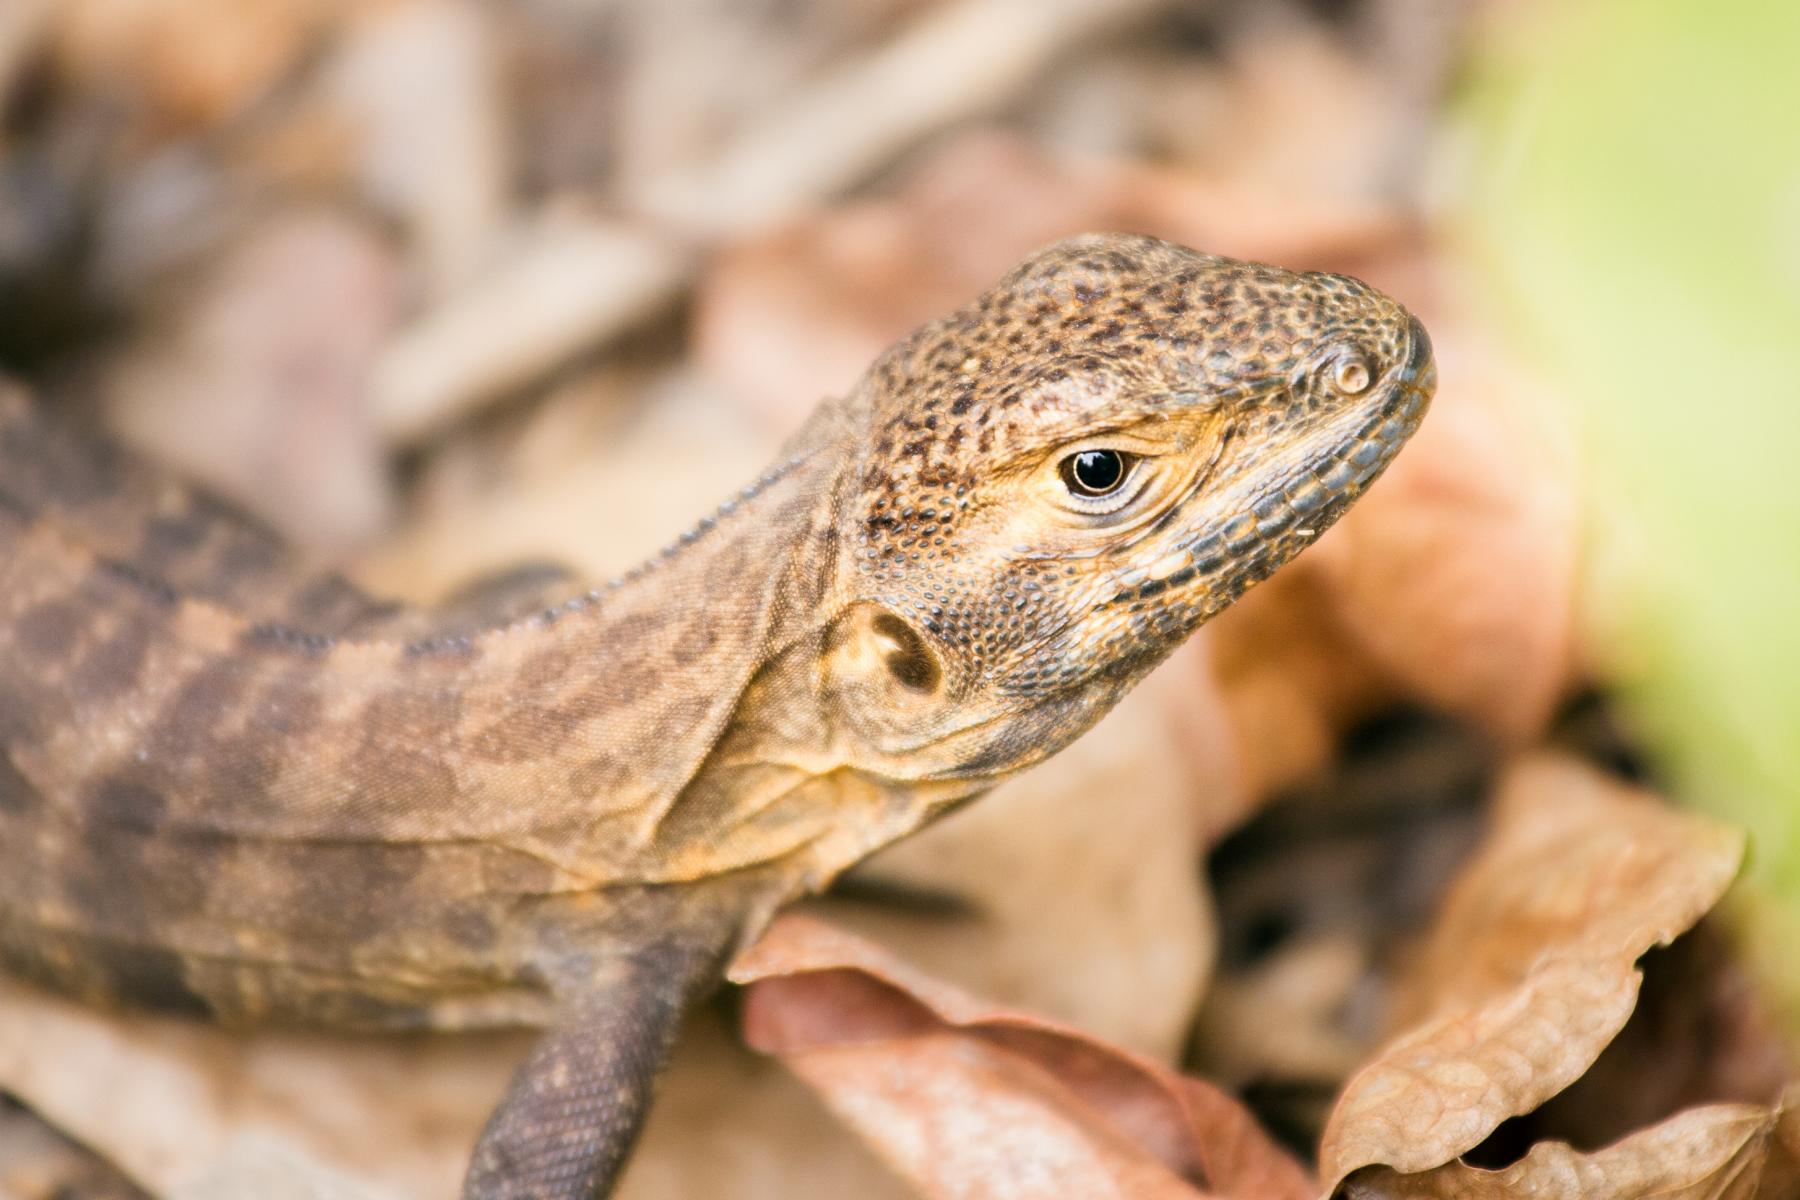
(904, 652)
(874, 645)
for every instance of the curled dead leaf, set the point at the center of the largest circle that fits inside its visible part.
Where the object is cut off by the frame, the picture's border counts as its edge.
(1532, 966)
(1719, 1152)
(965, 1099)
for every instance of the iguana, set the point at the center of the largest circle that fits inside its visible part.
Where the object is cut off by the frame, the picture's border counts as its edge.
(239, 788)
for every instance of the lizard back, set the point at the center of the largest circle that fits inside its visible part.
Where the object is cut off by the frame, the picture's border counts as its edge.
(207, 744)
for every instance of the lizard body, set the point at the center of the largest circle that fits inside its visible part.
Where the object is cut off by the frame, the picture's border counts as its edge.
(235, 786)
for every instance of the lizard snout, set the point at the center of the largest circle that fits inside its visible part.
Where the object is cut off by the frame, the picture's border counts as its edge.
(1420, 371)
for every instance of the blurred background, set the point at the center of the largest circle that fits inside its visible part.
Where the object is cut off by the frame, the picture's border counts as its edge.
(438, 285)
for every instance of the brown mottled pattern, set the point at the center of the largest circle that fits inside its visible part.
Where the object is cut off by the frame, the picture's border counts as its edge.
(234, 785)
(226, 787)
(141, 520)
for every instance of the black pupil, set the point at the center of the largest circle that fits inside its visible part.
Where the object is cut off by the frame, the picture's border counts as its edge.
(1097, 471)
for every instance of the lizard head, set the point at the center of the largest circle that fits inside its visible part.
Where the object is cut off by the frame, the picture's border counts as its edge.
(1061, 481)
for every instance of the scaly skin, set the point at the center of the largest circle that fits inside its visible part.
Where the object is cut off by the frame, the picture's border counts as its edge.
(235, 787)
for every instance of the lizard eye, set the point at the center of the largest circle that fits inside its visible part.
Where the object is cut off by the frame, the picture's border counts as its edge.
(1352, 377)
(1093, 473)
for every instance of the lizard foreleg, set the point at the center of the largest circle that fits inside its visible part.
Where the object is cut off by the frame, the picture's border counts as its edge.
(574, 1109)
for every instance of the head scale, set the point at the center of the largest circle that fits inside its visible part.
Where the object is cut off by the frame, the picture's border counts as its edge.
(1062, 480)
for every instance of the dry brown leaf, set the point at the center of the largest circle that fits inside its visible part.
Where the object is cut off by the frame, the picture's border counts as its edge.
(253, 377)
(1720, 1152)
(169, 1100)
(730, 1122)
(1290, 676)
(966, 1099)
(196, 62)
(1457, 575)
(1701, 1033)
(196, 1113)
(1531, 969)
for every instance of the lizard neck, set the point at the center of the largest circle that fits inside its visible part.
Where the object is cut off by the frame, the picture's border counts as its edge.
(770, 777)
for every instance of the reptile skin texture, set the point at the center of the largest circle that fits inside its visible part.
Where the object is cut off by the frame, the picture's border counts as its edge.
(237, 787)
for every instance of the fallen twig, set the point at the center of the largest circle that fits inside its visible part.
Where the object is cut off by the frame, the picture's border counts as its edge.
(571, 283)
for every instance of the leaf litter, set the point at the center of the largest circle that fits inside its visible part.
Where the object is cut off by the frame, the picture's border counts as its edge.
(1530, 970)
(414, 236)
(969, 1099)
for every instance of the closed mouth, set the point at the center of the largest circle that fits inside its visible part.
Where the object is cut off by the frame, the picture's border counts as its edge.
(1248, 546)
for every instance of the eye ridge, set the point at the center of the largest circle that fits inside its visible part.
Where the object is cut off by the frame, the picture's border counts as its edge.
(1096, 473)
